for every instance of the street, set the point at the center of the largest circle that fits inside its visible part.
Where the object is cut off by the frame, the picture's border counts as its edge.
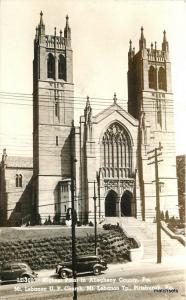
(143, 280)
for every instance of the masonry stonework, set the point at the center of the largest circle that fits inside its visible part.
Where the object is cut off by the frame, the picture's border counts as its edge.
(53, 115)
(109, 150)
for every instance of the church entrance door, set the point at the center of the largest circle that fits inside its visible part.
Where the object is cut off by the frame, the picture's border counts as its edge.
(126, 204)
(110, 204)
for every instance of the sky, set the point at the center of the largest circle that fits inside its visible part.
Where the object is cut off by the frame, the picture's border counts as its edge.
(101, 30)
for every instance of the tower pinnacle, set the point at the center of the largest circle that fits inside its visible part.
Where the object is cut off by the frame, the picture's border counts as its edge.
(41, 26)
(165, 45)
(88, 111)
(130, 46)
(131, 51)
(142, 41)
(67, 32)
(67, 18)
(41, 18)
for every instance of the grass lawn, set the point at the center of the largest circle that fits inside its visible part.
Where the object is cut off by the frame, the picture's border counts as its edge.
(39, 232)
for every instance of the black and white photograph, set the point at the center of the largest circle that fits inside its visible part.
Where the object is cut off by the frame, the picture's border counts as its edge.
(92, 149)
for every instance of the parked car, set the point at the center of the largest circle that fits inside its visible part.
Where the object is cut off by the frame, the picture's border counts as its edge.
(16, 272)
(84, 264)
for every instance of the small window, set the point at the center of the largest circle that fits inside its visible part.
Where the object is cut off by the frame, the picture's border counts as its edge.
(16, 267)
(65, 208)
(57, 141)
(159, 115)
(57, 109)
(6, 268)
(19, 180)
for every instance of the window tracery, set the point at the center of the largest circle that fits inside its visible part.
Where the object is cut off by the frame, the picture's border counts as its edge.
(116, 152)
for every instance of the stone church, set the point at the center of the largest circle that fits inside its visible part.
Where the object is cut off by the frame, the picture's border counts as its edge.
(108, 153)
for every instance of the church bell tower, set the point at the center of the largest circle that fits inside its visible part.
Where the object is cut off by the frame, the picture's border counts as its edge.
(150, 100)
(53, 114)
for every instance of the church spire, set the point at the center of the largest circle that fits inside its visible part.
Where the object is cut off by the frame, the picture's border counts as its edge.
(142, 41)
(165, 45)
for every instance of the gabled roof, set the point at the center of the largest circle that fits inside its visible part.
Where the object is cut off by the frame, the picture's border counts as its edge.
(112, 108)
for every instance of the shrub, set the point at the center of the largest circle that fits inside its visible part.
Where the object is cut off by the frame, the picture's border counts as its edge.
(162, 216)
(166, 216)
(46, 253)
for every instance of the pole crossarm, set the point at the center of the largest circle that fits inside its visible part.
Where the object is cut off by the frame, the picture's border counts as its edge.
(158, 154)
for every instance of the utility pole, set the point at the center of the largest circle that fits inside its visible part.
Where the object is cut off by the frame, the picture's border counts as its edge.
(73, 160)
(95, 219)
(73, 230)
(158, 221)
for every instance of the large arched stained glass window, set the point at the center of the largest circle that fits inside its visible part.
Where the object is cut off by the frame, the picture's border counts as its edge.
(116, 152)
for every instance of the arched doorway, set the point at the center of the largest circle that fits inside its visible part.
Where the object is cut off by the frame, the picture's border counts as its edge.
(110, 204)
(127, 204)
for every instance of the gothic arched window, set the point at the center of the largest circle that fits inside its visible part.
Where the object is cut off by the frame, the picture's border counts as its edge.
(116, 152)
(19, 180)
(61, 67)
(51, 66)
(152, 78)
(162, 79)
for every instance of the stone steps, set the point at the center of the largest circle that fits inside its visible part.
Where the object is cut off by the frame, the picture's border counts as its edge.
(145, 232)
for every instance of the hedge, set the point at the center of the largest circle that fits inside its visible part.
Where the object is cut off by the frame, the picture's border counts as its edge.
(45, 253)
